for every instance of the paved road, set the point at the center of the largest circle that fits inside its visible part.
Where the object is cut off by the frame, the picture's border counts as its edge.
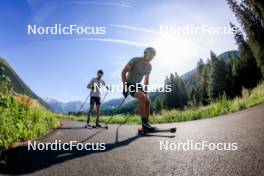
(141, 155)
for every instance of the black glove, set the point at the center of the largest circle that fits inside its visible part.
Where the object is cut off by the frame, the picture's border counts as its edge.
(125, 90)
(90, 87)
(125, 93)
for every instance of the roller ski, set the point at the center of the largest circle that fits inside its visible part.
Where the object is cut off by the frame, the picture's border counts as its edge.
(156, 130)
(147, 128)
(97, 125)
(88, 126)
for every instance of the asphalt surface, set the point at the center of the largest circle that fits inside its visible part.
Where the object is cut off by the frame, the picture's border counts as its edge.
(132, 154)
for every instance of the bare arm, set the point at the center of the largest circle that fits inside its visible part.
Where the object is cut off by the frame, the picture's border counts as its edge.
(127, 68)
(108, 87)
(90, 85)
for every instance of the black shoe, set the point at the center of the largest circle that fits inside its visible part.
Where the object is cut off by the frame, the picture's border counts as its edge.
(87, 125)
(98, 125)
(147, 127)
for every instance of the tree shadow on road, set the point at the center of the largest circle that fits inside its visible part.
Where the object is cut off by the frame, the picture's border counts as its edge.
(20, 160)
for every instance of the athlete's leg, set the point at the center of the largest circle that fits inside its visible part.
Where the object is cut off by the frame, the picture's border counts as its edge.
(89, 113)
(98, 103)
(144, 110)
(147, 107)
(97, 113)
(142, 103)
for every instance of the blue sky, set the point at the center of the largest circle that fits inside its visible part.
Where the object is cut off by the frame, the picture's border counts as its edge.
(60, 67)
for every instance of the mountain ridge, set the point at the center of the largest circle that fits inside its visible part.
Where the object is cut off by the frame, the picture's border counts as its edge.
(17, 84)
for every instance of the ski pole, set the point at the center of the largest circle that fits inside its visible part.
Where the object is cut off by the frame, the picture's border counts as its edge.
(83, 103)
(108, 121)
(117, 129)
(105, 123)
(104, 97)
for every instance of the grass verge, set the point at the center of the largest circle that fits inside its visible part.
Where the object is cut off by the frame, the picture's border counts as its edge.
(222, 106)
(22, 118)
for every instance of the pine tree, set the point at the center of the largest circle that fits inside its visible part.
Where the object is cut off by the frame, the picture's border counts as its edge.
(178, 97)
(199, 93)
(193, 96)
(245, 71)
(258, 8)
(200, 67)
(219, 78)
(203, 85)
(158, 104)
(250, 15)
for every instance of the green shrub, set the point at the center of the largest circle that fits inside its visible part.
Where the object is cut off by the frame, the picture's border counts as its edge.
(19, 121)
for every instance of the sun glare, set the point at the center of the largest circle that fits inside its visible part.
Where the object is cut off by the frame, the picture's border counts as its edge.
(172, 48)
(174, 54)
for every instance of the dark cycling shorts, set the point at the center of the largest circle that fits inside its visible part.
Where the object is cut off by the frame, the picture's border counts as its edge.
(95, 100)
(133, 88)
